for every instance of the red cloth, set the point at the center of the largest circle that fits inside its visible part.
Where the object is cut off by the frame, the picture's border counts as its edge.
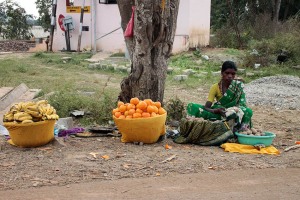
(129, 29)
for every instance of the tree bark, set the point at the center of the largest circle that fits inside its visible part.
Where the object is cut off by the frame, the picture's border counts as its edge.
(276, 9)
(149, 48)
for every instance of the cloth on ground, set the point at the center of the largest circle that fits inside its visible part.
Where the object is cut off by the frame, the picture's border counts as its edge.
(64, 133)
(248, 149)
(203, 132)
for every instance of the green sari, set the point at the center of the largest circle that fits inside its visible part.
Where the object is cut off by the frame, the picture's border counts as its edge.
(234, 96)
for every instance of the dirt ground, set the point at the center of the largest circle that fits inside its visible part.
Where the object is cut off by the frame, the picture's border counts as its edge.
(80, 160)
(75, 160)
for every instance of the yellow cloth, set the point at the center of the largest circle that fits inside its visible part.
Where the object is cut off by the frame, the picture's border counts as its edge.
(214, 92)
(242, 148)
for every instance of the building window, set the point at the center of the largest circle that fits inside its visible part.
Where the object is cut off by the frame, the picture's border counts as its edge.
(108, 1)
(69, 2)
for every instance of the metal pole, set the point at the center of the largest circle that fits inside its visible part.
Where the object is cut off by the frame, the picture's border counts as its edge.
(95, 27)
(53, 22)
(69, 42)
(80, 27)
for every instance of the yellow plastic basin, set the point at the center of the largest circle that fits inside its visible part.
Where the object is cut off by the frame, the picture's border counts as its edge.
(146, 130)
(31, 134)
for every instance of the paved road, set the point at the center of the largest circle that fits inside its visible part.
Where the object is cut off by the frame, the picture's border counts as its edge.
(251, 184)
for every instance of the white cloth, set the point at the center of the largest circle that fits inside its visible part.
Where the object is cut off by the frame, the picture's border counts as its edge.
(235, 110)
(3, 130)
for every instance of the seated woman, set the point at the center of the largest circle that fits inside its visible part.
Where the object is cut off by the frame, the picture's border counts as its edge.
(218, 119)
(228, 93)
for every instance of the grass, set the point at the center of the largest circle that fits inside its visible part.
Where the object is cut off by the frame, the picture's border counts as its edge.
(76, 87)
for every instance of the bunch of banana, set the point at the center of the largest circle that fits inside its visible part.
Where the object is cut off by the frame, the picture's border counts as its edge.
(28, 112)
(21, 116)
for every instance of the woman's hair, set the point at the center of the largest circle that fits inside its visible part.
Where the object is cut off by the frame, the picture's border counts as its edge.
(228, 65)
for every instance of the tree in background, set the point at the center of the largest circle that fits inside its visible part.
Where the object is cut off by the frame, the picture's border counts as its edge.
(255, 19)
(149, 48)
(14, 21)
(44, 9)
(249, 10)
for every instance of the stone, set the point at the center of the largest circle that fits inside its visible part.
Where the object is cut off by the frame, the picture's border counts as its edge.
(66, 58)
(170, 70)
(188, 71)
(180, 77)
(217, 73)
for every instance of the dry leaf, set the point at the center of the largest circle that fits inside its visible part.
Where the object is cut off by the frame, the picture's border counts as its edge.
(94, 154)
(168, 147)
(169, 159)
(106, 157)
(126, 165)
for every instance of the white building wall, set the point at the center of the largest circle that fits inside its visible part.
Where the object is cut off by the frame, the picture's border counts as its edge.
(193, 24)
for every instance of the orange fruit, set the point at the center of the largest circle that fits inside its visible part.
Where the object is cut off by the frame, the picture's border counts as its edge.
(142, 105)
(122, 108)
(148, 101)
(161, 111)
(130, 106)
(131, 111)
(146, 115)
(137, 115)
(157, 104)
(126, 113)
(134, 100)
(117, 114)
(155, 109)
(115, 110)
(129, 117)
(120, 103)
(122, 117)
(138, 111)
(153, 114)
(150, 109)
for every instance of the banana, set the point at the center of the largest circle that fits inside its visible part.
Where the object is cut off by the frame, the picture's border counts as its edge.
(33, 108)
(28, 104)
(26, 121)
(42, 102)
(53, 116)
(50, 110)
(8, 117)
(21, 116)
(35, 114)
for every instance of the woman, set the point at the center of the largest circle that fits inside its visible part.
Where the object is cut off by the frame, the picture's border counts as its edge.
(228, 93)
(230, 103)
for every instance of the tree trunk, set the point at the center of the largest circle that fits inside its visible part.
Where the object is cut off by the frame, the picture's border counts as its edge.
(276, 10)
(149, 48)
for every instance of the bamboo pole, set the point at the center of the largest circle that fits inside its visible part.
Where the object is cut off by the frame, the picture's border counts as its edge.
(80, 26)
(53, 22)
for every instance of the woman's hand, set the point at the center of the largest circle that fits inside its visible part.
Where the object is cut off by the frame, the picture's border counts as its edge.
(220, 111)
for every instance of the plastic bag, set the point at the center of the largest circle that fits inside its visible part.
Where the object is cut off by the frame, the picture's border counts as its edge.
(129, 29)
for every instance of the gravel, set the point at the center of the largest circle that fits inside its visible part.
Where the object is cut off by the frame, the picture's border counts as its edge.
(281, 92)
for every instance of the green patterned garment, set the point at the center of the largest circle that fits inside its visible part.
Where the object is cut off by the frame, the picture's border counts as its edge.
(234, 96)
(205, 133)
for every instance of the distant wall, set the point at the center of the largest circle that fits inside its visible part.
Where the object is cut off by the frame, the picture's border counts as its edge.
(193, 24)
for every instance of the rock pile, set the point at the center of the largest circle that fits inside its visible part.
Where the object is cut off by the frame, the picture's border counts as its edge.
(281, 92)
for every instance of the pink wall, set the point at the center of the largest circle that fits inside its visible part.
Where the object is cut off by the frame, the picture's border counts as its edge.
(193, 26)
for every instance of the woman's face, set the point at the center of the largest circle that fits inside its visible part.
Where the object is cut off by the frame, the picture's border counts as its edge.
(228, 75)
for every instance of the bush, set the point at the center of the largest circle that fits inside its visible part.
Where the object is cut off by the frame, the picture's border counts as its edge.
(97, 109)
(176, 109)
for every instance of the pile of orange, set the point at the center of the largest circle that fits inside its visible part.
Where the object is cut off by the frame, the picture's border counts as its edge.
(138, 109)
